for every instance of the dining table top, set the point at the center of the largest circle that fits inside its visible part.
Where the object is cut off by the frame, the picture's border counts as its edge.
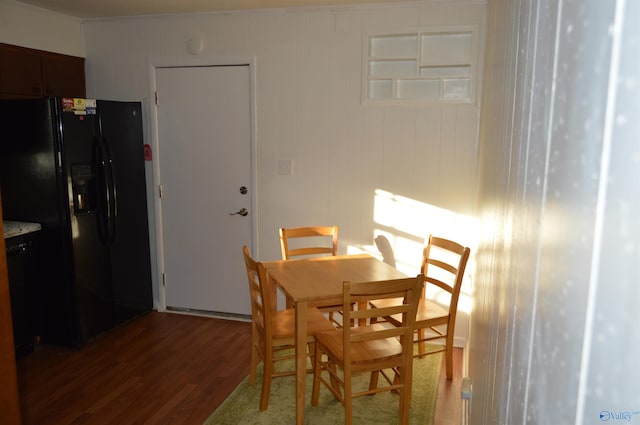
(318, 278)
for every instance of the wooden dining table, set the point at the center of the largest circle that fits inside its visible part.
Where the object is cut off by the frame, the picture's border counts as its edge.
(317, 279)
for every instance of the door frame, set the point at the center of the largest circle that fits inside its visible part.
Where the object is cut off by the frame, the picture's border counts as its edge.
(203, 61)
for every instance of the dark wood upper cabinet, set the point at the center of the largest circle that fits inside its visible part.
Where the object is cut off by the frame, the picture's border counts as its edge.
(20, 73)
(63, 76)
(26, 73)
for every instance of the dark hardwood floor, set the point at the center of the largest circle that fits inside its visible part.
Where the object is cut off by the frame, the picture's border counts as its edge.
(161, 368)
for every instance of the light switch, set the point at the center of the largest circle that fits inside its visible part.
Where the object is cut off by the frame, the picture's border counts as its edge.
(285, 167)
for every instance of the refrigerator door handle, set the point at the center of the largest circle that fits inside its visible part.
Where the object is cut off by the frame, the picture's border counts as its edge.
(102, 213)
(111, 193)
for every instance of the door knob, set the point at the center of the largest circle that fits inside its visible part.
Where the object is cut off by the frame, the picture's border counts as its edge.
(243, 212)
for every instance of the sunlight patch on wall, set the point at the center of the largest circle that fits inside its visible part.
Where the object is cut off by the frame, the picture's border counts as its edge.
(406, 223)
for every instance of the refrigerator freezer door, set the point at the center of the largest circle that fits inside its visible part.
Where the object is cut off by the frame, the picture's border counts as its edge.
(121, 126)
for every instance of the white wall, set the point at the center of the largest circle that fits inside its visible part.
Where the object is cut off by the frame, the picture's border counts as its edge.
(554, 336)
(36, 28)
(309, 110)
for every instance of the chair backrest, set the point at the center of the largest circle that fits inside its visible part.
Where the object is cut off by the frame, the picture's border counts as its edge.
(311, 241)
(364, 293)
(443, 264)
(262, 300)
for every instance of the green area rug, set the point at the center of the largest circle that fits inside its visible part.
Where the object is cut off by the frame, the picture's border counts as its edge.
(241, 407)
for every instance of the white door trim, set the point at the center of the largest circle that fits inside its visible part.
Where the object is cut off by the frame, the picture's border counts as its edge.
(155, 63)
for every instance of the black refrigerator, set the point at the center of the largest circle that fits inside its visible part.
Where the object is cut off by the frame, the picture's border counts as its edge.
(76, 166)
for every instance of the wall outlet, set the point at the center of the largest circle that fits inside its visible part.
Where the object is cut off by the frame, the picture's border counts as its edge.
(285, 167)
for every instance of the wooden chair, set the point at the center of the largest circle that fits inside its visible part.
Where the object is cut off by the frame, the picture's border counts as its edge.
(443, 265)
(371, 347)
(300, 242)
(273, 331)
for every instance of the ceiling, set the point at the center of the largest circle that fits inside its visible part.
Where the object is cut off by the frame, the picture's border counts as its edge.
(111, 8)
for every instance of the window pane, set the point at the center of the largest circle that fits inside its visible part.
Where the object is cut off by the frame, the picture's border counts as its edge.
(418, 89)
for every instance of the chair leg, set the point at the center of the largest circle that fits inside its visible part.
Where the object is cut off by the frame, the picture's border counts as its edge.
(405, 397)
(267, 376)
(311, 350)
(255, 355)
(422, 346)
(255, 359)
(348, 399)
(315, 392)
(334, 381)
(404, 414)
(373, 380)
(396, 379)
(448, 354)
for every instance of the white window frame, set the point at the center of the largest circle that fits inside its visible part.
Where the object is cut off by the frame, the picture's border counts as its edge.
(420, 65)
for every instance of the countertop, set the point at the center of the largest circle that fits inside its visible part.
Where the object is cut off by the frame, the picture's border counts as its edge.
(17, 228)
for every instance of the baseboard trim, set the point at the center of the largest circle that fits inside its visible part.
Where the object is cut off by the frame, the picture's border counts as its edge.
(214, 314)
(459, 341)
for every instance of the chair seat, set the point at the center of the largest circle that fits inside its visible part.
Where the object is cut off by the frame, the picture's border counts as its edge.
(429, 312)
(284, 323)
(432, 313)
(361, 352)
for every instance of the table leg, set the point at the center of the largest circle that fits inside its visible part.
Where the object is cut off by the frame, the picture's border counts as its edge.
(301, 359)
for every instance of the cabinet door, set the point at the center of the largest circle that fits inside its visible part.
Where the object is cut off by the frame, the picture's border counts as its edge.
(63, 76)
(20, 73)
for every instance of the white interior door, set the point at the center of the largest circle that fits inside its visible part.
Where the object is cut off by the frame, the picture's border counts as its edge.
(204, 136)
